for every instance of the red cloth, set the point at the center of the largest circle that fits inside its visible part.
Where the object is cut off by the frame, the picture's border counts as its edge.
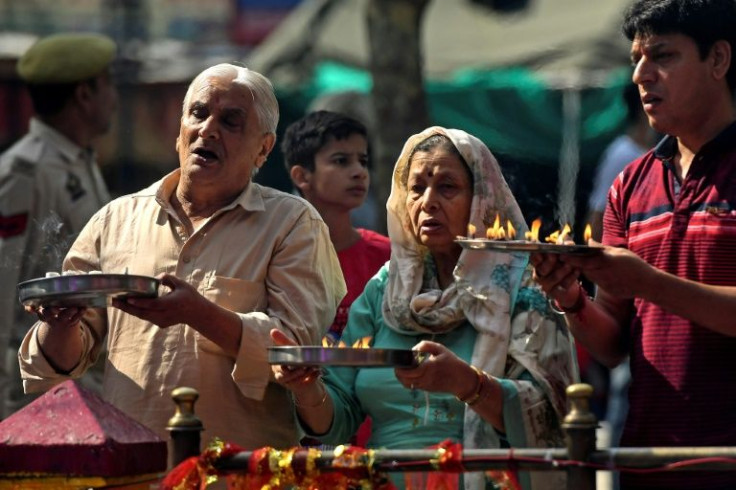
(359, 263)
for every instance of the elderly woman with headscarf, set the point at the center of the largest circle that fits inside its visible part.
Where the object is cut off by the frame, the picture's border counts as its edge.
(497, 358)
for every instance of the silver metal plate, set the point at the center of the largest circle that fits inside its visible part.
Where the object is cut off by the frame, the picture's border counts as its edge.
(85, 290)
(524, 246)
(344, 356)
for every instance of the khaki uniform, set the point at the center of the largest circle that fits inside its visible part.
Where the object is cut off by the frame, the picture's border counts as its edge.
(49, 188)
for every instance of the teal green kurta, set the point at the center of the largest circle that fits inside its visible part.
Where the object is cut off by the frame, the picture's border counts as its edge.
(402, 418)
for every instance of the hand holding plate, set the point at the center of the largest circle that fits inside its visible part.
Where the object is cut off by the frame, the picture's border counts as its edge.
(181, 304)
(294, 378)
(57, 317)
(558, 278)
(435, 372)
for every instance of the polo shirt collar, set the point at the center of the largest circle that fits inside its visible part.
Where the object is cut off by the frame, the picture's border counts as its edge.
(666, 149)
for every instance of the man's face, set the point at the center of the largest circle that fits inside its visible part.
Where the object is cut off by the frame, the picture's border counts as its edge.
(676, 86)
(220, 141)
(104, 95)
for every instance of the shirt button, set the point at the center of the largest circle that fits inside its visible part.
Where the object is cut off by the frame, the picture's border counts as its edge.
(186, 260)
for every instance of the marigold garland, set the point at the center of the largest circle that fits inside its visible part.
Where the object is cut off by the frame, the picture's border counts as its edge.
(197, 472)
(272, 469)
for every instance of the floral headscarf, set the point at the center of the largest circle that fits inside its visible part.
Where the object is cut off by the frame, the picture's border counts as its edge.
(494, 292)
(484, 281)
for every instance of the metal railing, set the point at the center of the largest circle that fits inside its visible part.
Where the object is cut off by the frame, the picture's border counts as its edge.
(580, 458)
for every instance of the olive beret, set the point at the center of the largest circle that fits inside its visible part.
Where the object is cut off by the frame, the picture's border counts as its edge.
(66, 58)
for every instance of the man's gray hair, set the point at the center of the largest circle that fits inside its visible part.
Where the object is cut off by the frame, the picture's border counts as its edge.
(266, 105)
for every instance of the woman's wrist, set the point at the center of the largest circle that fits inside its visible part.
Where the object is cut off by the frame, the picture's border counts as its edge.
(472, 397)
(315, 399)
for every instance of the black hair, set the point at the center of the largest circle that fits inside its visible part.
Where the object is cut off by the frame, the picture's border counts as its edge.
(704, 21)
(305, 137)
(50, 99)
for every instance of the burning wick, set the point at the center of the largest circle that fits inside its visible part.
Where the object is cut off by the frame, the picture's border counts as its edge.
(496, 232)
(510, 230)
(361, 343)
(471, 230)
(558, 237)
(533, 235)
(588, 233)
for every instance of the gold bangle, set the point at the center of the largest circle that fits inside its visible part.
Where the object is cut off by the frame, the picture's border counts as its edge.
(318, 404)
(475, 396)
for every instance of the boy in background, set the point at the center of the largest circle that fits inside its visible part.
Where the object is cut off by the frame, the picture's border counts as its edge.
(326, 155)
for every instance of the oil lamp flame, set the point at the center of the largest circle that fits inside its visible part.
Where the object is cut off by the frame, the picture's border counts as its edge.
(511, 231)
(471, 230)
(559, 237)
(363, 343)
(533, 235)
(588, 233)
(564, 235)
(496, 232)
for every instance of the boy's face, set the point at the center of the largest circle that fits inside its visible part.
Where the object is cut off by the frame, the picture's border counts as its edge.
(340, 178)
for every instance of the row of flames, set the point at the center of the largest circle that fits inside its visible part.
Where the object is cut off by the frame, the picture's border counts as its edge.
(361, 343)
(498, 232)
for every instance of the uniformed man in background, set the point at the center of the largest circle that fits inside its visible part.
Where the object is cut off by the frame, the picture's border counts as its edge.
(50, 184)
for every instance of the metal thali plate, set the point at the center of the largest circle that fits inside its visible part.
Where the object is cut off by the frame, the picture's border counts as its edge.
(525, 246)
(343, 356)
(85, 290)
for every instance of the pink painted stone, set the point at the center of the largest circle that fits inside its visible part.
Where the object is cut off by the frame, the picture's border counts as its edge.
(71, 431)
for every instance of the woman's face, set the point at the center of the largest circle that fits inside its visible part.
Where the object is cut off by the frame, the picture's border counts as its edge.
(439, 193)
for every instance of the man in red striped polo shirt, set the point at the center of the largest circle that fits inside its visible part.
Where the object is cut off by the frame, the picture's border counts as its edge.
(667, 276)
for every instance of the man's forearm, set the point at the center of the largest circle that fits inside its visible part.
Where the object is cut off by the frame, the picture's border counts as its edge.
(62, 347)
(713, 307)
(600, 331)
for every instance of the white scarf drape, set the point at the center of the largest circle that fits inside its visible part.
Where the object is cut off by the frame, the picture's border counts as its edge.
(484, 291)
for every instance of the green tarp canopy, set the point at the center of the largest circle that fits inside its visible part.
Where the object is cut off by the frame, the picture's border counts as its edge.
(540, 87)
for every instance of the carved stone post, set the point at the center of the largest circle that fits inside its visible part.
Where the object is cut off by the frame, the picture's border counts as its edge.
(184, 427)
(579, 425)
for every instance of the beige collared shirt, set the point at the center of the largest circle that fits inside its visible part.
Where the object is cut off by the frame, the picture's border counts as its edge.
(267, 256)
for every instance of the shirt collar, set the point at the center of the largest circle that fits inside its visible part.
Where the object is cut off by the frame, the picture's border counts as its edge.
(251, 199)
(666, 149)
(68, 149)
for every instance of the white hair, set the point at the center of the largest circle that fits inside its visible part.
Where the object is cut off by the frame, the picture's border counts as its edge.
(264, 98)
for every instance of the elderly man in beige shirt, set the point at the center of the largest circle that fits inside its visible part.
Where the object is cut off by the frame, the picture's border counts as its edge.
(237, 259)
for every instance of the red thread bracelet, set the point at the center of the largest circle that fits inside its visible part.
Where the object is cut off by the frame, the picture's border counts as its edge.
(577, 307)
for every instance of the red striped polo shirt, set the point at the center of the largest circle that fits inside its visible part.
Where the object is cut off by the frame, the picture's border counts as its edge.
(683, 389)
